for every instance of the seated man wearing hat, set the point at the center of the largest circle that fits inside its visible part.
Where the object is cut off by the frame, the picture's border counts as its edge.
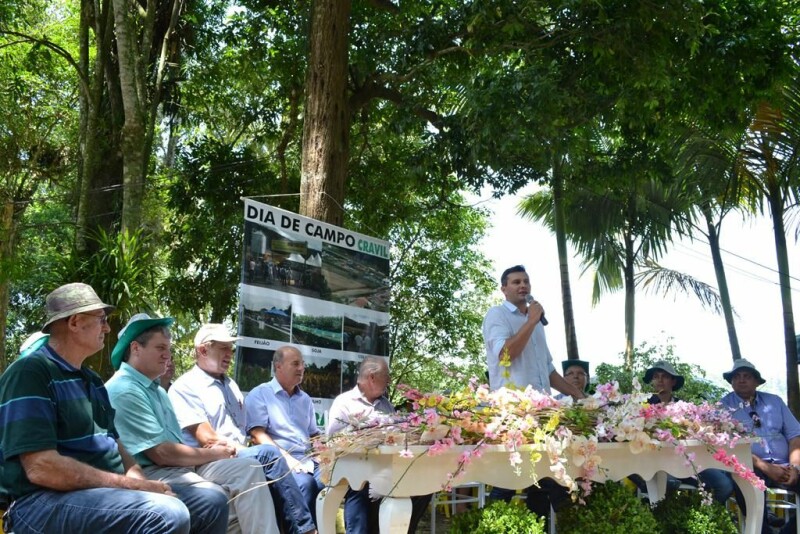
(576, 372)
(776, 457)
(210, 410)
(148, 427)
(664, 380)
(62, 465)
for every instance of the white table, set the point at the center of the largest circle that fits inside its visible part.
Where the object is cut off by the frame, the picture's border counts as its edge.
(399, 478)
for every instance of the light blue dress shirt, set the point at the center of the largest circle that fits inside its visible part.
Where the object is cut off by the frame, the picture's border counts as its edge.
(287, 419)
(535, 363)
(778, 425)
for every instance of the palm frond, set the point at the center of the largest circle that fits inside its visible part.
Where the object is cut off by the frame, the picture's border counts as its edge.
(660, 280)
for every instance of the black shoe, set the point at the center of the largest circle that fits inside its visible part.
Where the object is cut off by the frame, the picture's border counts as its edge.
(773, 520)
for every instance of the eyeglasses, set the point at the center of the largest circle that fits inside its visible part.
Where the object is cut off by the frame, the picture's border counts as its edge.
(756, 419)
(103, 318)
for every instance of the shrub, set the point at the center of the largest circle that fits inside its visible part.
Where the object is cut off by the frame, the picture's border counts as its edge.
(499, 517)
(683, 512)
(610, 509)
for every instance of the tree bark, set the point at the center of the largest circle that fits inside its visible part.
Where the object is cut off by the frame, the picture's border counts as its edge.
(326, 127)
(563, 257)
(775, 199)
(133, 131)
(630, 303)
(722, 283)
(7, 235)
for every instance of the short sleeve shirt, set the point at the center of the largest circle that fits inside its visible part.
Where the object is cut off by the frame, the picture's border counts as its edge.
(532, 367)
(777, 427)
(144, 415)
(197, 397)
(48, 404)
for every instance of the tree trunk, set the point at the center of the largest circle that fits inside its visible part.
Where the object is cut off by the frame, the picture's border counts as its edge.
(133, 131)
(630, 308)
(792, 387)
(563, 257)
(7, 235)
(326, 127)
(99, 166)
(722, 283)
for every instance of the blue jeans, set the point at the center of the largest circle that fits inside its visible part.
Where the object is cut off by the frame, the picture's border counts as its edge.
(290, 503)
(310, 486)
(719, 483)
(208, 508)
(361, 514)
(98, 510)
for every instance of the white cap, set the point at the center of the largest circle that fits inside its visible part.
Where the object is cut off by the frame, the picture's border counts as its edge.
(213, 332)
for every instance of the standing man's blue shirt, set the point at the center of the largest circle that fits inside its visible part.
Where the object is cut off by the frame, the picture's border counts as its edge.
(535, 363)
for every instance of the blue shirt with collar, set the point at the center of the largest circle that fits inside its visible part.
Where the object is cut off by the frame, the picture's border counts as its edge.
(287, 419)
(777, 425)
(534, 364)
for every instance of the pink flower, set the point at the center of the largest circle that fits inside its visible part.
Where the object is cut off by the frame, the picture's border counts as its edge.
(405, 453)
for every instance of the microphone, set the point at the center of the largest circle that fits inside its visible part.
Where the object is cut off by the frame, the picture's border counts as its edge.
(529, 299)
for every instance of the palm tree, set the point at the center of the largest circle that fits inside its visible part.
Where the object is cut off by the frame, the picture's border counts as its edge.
(769, 165)
(621, 226)
(707, 162)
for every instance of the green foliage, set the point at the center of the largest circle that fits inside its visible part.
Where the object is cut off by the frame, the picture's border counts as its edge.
(696, 388)
(440, 290)
(206, 227)
(611, 508)
(499, 517)
(122, 271)
(683, 512)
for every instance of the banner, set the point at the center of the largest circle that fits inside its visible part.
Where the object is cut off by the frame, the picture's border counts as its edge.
(318, 287)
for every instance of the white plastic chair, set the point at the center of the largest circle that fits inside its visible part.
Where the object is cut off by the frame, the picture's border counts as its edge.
(785, 501)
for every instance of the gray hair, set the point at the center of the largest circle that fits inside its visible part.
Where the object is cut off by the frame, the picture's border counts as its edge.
(281, 352)
(370, 366)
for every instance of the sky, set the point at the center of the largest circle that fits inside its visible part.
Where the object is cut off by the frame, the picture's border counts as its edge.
(698, 335)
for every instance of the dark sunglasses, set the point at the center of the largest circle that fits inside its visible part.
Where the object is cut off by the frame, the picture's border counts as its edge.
(756, 419)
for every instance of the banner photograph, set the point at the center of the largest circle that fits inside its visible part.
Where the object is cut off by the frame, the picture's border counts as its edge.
(315, 286)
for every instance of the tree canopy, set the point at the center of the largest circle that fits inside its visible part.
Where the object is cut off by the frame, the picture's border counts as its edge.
(139, 128)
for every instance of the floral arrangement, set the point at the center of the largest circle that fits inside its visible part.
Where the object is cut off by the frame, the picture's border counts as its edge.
(562, 431)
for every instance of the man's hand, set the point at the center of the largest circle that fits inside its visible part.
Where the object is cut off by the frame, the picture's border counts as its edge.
(152, 486)
(780, 474)
(792, 476)
(535, 312)
(212, 442)
(223, 450)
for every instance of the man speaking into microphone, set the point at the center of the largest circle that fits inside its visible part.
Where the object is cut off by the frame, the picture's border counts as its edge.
(516, 327)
